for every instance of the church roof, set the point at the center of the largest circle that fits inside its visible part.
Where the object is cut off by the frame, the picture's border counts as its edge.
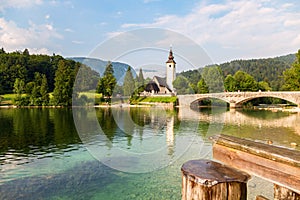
(151, 86)
(161, 82)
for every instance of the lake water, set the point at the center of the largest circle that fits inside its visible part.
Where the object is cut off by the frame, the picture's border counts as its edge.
(121, 153)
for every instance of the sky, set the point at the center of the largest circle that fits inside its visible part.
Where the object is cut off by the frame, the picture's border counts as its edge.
(225, 29)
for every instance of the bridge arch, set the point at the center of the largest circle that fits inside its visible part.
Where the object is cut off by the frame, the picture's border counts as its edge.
(236, 99)
(239, 103)
(196, 101)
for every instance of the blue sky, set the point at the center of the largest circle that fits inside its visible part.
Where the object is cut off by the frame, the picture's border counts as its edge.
(225, 29)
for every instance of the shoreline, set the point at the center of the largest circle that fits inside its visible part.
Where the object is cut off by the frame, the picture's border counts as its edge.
(149, 104)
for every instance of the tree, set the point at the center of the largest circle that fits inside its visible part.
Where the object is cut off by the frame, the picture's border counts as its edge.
(140, 77)
(129, 83)
(44, 90)
(264, 86)
(140, 83)
(64, 80)
(202, 87)
(230, 83)
(213, 78)
(292, 76)
(245, 82)
(182, 85)
(19, 87)
(108, 82)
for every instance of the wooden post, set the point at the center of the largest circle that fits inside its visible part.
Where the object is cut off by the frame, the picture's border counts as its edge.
(209, 180)
(281, 193)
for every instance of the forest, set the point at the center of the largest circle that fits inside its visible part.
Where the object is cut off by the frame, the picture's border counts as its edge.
(244, 75)
(43, 80)
(40, 80)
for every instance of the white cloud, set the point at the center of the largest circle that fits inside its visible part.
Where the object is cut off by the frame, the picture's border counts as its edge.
(69, 30)
(35, 37)
(18, 3)
(77, 42)
(245, 28)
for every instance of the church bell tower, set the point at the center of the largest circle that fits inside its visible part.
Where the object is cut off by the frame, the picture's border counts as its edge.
(171, 70)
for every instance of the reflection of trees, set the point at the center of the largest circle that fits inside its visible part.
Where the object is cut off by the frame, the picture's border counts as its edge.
(64, 129)
(118, 123)
(30, 129)
(107, 122)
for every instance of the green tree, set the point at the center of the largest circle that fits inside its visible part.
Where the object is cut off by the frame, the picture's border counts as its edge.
(140, 83)
(202, 87)
(245, 82)
(19, 87)
(129, 83)
(182, 85)
(108, 82)
(264, 86)
(64, 80)
(292, 76)
(35, 93)
(213, 78)
(230, 83)
(44, 90)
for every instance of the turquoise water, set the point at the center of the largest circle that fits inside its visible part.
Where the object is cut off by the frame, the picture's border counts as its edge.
(119, 153)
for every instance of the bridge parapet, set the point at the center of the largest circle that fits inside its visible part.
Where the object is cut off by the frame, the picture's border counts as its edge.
(236, 99)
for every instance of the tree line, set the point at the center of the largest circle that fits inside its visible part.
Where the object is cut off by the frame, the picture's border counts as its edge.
(40, 80)
(131, 86)
(280, 73)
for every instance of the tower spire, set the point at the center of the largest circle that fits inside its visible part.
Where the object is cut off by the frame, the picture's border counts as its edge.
(171, 57)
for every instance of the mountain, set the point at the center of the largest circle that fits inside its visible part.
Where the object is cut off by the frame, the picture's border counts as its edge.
(99, 66)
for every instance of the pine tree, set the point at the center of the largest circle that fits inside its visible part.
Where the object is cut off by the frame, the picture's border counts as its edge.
(108, 82)
(44, 90)
(64, 80)
(129, 83)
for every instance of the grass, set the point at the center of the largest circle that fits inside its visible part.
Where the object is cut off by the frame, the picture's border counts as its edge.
(156, 99)
(7, 99)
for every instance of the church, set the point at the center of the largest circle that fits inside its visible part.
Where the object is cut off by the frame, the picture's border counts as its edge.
(163, 86)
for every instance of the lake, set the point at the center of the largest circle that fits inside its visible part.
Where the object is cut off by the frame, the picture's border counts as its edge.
(122, 153)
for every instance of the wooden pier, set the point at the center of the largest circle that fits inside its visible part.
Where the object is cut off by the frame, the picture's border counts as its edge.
(279, 165)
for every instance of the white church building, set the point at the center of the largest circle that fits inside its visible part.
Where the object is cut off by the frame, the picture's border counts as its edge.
(163, 86)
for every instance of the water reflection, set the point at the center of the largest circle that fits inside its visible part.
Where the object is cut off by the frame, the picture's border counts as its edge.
(45, 149)
(282, 128)
(134, 139)
(29, 135)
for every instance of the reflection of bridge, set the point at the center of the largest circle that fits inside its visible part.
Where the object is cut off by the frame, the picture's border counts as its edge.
(238, 118)
(236, 99)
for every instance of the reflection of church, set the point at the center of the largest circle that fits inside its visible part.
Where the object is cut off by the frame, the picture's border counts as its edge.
(163, 86)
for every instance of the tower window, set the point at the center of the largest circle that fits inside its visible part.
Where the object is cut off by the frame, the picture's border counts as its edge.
(170, 65)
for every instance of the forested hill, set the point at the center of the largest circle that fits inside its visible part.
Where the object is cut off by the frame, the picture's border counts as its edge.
(100, 65)
(267, 69)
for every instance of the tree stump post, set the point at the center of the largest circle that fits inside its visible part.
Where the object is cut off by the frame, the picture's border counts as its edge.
(281, 193)
(209, 180)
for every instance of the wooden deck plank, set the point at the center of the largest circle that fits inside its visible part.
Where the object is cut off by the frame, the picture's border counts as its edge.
(279, 154)
(276, 164)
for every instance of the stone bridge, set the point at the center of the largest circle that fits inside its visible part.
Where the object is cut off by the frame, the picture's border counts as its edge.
(236, 99)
